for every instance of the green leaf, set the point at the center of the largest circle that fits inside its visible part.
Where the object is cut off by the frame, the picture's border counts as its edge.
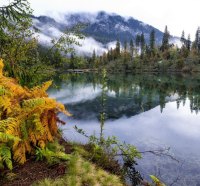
(156, 181)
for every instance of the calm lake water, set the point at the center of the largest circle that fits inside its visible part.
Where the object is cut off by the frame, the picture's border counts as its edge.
(149, 111)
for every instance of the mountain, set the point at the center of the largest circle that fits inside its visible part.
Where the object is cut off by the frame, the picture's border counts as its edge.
(102, 28)
(109, 27)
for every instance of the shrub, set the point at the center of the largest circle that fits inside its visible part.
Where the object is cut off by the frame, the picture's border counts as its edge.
(28, 119)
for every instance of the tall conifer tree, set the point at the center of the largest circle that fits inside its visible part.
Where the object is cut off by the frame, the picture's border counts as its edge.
(152, 40)
(131, 48)
(188, 45)
(118, 50)
(183, 40)
(165, 40)
(142, 43)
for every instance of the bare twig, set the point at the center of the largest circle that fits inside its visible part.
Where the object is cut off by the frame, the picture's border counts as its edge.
(161, 152)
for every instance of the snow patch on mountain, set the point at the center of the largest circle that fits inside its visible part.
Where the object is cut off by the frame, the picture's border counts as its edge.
(143, 24)
(122, 28)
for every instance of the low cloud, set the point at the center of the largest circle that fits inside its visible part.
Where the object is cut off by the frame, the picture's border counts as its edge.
(111, 45)
(88, 45)
(43, 39)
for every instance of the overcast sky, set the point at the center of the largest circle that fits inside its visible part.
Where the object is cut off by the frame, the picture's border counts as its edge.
(177, 14)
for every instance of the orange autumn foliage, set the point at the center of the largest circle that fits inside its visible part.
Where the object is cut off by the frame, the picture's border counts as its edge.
(28, 119)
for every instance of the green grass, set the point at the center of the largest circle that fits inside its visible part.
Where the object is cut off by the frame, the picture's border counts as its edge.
(81, 172)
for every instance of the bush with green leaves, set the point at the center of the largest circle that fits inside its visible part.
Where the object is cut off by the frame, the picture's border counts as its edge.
(114, 149)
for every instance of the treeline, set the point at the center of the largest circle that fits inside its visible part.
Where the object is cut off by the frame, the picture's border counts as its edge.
(136, 55)
(139, 55)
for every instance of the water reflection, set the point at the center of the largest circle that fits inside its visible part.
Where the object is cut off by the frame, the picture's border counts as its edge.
(148, 111)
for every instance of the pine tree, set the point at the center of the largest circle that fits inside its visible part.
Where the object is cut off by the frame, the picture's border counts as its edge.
(108, 55)
(165, 40)
(183, 40)
(125, 46)
(118, 49)
(142, 43)
(111, 54)
(137, 42)
(152, 41)
(131, 48)
(188, 45)
(148, 51)
(125, 55)
(93, 56)
(197, 40)
(104, 58)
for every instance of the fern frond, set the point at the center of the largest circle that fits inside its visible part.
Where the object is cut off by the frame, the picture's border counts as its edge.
(1, 67)
(28, 146)
(38, 125)
(12, 86)
(61, 108)
(8, 137)
(49, 136)
(1, 164)
(52, 121)
(2, 90)
(24, 130)
(40, 91)
(8, 123)
(10, 126)
(5, 154)
(32, 138)
(52, 156)
(32, 103)
(5, 104)
(41, 144)
(44, 103)
(19, 153)
(45, 86)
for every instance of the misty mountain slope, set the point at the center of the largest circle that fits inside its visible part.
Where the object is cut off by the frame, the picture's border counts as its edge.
(101, 29)
(109, 27)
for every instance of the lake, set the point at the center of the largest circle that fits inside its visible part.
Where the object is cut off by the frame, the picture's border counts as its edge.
(149, 111)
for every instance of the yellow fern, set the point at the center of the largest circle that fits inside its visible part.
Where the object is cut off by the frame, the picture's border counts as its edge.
(41, 144)
(28, 117)
(8, 137)
(52, 122)
(2, 90)
(1, 67)
(19, 153)
(28, 147)
(5, 104)
(40, 91)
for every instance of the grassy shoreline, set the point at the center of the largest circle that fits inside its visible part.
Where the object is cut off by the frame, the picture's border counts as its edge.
(82, 169)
